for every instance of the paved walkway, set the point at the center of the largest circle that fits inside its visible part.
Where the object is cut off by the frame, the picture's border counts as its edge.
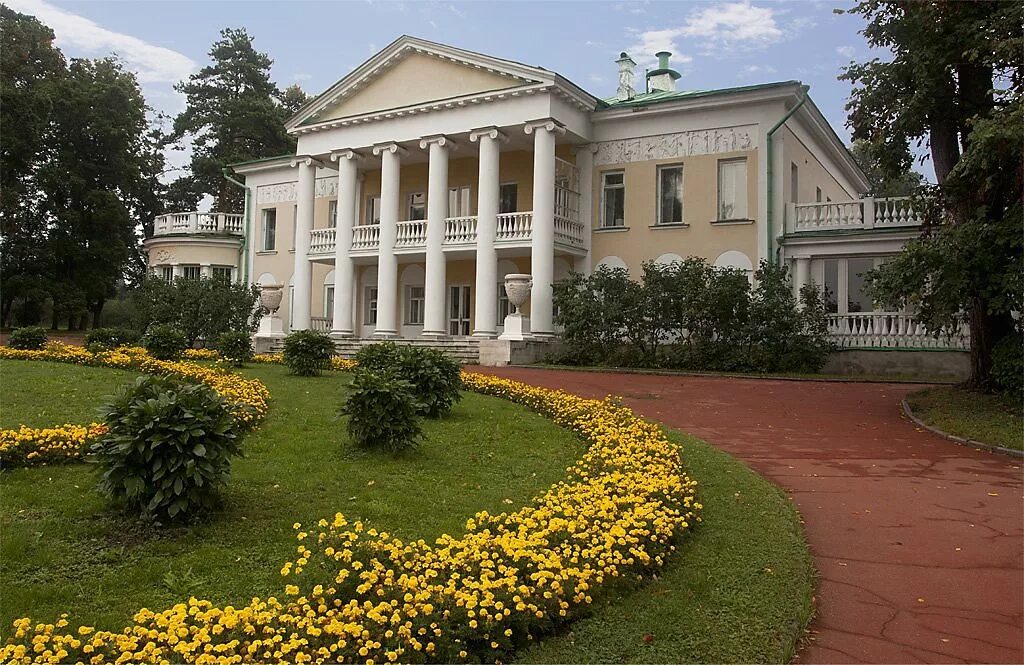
(918, 541)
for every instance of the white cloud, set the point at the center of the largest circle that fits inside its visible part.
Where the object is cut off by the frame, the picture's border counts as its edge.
(152, 63)
(754, 71)
(846, 51)
(732, 25)
(301, 76)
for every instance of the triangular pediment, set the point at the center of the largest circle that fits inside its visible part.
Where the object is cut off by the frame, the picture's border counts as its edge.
(411, 72)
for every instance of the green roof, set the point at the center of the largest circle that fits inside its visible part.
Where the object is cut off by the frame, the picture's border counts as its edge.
(662, 96)
(261, 159)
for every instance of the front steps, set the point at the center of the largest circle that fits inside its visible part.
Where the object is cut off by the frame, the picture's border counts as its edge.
(464, 350)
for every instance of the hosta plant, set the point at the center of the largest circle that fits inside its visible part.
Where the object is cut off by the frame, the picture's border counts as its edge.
(168, 448)
(308, 352)
(382, 411)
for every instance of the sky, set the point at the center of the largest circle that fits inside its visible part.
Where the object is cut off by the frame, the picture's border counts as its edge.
(715, 44)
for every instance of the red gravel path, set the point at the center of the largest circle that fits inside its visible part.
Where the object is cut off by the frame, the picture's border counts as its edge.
(918, 541)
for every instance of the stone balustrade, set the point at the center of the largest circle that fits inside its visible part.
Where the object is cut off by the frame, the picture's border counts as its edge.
(866, 213)
(198, 222)
(890, 330)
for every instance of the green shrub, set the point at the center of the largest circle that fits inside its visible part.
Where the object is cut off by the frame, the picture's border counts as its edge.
(201, 308)
(435, 379)
(104, 339)
(164, 342)
(308, 352)
(382, 411)
(29, 337)
(1008, 365)
(235, 347)
(168, 449)
(383, 356)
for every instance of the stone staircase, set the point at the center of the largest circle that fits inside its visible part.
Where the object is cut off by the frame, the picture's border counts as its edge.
(465, 351)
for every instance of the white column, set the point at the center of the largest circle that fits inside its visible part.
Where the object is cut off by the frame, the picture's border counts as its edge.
(204, 269)
(437, 211)
(303, 270)
(488, 189)
(585, 167)
(344, 268)
(176, 270)
(542, 239)
(802, 274)
(387, 262)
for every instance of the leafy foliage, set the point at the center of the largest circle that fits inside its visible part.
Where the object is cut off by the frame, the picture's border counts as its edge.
(383, 356)
(201, 308)
(101, 339)
(308, 352)
(28, 337)
(1008, 366)
(168, 448)
(691, 315)
(434, 377)
(382, 411)
(164, 342)
(235, 347)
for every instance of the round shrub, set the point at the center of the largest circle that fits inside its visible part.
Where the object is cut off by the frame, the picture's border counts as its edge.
(164, 342)
(382, 412)
(29, 337)
(380, 357)
(1008, 365)
(168, 448)
(104, 339)
(235, 347)
(308, 352)
(435, 379)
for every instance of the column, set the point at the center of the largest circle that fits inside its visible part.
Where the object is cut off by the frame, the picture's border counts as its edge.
(387, 262)
(204, 270)
(488, 188)
(344, 269)
(542, 237)
(437, 211)
(802, 274)
(176, 270)
(303, 271)
(585, 167)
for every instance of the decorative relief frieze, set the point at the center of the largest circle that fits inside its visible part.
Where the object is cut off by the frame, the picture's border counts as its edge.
(285, 191)
(680, 144)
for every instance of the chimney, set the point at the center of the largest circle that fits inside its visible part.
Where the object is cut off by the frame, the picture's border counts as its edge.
(664, 77)
(626, 66)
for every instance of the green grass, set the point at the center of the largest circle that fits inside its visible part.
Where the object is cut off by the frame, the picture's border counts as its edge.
(40, 394)
(738, 590)
(991, 419)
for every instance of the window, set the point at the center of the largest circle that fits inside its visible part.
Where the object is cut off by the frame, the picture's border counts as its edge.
(222, 272)
(504, 307)
(508, 198)
(167, 273)
(459, 202)
(794, 183)
(373, 210)
(857, 298)
(329, 301)
(370, 306)
(732, 189)
(417, 206)
(831, 294)
(332, 214)
(414, 305)
(190, 272)
(613, 199)
(269, 230)
(295, 224)
(670, 194)
(817, 194)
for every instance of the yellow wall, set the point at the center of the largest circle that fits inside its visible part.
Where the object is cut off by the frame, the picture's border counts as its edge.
(810, 174)
(191, 251)
(700, 206)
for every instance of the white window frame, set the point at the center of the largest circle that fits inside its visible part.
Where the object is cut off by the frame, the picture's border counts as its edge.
(195, 269)
(739, 191)
(682, 212)
(219, 271)
(460, 201)
(369, 305)
(269, 219)
(372, 205)
(410, 298)
(332, 213)
(167, 273)
(295, 225)
(794, 182)
(604, 191)
(516, 206)
(504, 306)
(329, 301)
(411, 208)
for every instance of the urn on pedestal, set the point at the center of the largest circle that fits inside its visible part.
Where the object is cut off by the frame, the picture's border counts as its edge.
(517, 288)
(271, 327)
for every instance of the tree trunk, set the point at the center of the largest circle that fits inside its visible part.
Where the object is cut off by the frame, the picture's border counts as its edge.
(986, 331)
(97, 310)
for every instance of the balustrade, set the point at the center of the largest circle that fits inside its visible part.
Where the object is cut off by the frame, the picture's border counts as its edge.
(889, 330)
(514, 226)
(321, 323)
(198, 222)
(460, 230)
(322, 241)
(864, 213)
(366, 237)
(411, 234)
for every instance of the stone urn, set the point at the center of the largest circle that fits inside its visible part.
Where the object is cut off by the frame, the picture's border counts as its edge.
(517, 288)
(270, 297)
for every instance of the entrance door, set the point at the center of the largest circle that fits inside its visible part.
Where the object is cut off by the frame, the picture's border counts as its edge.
(458, 310)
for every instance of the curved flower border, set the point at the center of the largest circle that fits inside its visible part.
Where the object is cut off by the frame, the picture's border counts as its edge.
(360, 595)
(27, 446)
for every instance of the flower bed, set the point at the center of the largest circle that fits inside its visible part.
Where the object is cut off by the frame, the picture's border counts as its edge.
(64, 443)
(356, 594)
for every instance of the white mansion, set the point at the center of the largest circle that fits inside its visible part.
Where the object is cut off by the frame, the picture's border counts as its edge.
(428, 173)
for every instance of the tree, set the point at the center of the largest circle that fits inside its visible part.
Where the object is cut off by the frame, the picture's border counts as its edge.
(954, 83)
(233, 113)
(884, 184)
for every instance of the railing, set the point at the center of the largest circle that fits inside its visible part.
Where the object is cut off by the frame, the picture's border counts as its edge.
(460, 230)
(198, 222)
(411, 234)
(568, 232)
(322, 241)
(890, 330)
(321, 323)
(366, 237)
(867, 213)
(513, 226)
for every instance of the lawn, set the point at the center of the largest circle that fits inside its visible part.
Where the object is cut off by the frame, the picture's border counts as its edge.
(41, 394)
(738, 590)
(991, 419)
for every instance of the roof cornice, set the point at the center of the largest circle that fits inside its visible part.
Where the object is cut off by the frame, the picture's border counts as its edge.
(712, 99)
(814, 121)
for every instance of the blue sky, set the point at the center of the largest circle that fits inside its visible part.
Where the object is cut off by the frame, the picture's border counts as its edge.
(715, 44)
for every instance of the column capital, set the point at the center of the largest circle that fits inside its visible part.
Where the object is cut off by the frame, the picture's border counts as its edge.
(586, 147)
(392, 148)
(306, 160)
(490, 132)
(439, 139)
(347, 153)
(547, 124)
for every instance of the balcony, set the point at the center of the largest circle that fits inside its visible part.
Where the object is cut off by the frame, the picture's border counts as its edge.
(513, 230)
(198, 222)
(862, 214)
(890, 330)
